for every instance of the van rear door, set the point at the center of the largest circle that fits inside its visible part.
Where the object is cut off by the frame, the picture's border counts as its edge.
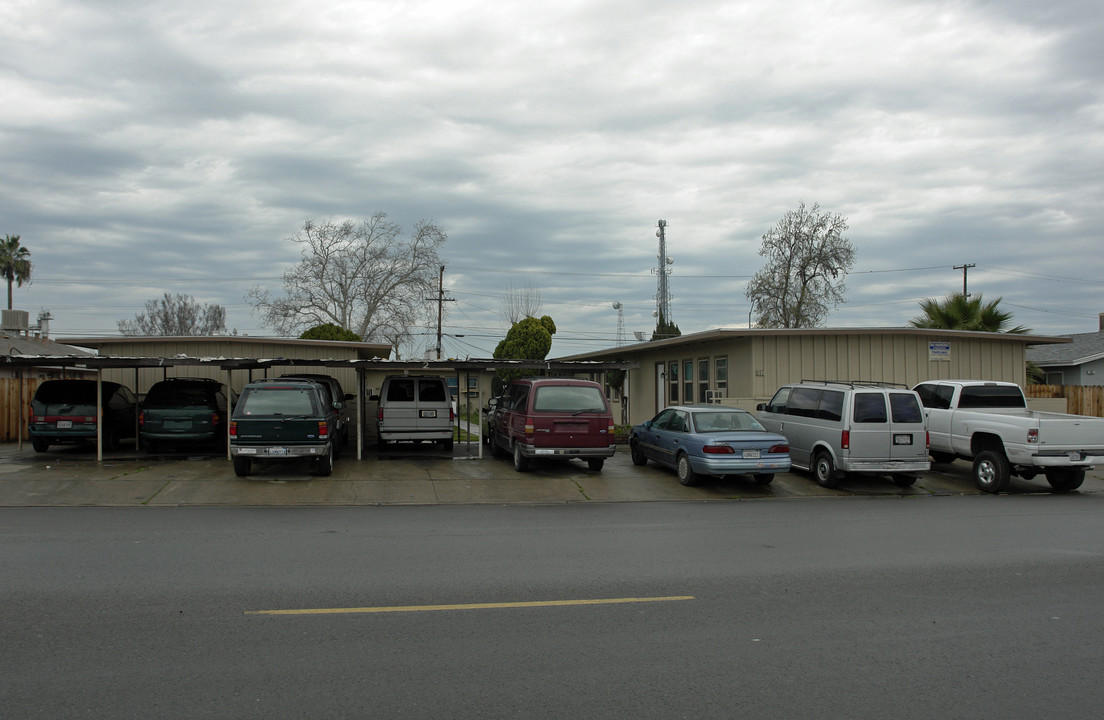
(570, 416)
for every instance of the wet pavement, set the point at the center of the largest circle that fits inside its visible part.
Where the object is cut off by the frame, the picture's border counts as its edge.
(413, 475)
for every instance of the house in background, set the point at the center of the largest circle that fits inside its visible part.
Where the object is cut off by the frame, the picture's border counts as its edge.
(1080, 362)
(18, 385)
(743, 367)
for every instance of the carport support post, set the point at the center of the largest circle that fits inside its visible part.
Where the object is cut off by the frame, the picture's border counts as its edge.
(360, 413)
(229, 407)
(99, 415)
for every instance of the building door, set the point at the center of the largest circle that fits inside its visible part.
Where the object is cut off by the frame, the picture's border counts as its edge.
(661, 384)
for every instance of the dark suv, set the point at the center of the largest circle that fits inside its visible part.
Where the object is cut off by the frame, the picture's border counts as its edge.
(183, 411)
(337, 394)
(65, 411)
(539, 418)
(284, 419)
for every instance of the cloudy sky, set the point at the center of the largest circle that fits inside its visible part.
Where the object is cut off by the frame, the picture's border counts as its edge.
(150, 147)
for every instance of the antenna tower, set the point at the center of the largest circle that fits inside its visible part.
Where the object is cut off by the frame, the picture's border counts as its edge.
(620, 308)
(663, 295)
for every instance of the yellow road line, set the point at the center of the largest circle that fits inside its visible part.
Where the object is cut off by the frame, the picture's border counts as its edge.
(471, 606)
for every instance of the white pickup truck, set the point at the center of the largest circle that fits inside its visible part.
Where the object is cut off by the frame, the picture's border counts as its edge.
(989, 423)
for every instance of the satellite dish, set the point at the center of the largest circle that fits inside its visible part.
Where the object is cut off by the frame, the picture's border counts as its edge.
(670, 261)
(639, 335)
(617, 305)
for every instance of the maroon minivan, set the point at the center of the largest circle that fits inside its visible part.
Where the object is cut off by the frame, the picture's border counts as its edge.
(553, 418)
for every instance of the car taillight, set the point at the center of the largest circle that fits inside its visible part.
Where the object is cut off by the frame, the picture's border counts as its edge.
(215, 418)
(927, 439)
(323, 429)
(845, 440)
(718, 450)
(778, 449)
(142, 419)
(379, 415)
(452, 415)
(529, 428)
(1033, 435)
(233, 428)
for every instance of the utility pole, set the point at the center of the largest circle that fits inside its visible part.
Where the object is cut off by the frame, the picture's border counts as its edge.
(964, 268)
(441, 299)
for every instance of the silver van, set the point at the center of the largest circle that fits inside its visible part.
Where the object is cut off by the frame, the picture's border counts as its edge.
(835, 428)
(414, 408)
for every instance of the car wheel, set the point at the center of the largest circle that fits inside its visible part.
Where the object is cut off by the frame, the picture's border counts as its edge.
(242, 466)
(40, 444)
(942, 457)
(903, 480)
(325, 464)
(521, 463)
(686, 474)
(1065, 479)
(447, 445)
(824, 470)
(763, 478)
(150, 446)
(992, 471)
(596, 464)
(638, 456)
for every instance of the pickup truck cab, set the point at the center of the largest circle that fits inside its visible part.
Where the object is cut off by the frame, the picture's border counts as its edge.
(989, 423)
(284, 419)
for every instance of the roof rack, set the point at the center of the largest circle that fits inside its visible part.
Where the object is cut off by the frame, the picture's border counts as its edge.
(854, 383)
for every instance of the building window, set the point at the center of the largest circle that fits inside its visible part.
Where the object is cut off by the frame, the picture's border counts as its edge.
(688, 380)
(703, 380)
(1055, 378)
(672, 378)
(720, 383)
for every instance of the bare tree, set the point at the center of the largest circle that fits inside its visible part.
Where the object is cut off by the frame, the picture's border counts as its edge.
(361, 276)
(520, 302)
(807, 261)
(177, 316)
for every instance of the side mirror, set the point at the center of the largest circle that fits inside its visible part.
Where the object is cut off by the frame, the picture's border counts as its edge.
(761, 406)
(647, 423)
(338, 406)
(349, 396)
(373, 398)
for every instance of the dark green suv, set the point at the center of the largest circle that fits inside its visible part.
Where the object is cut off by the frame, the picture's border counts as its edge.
(284, 419)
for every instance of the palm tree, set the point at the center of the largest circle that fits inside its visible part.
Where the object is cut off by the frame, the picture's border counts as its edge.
(15, 263)
(959, 312)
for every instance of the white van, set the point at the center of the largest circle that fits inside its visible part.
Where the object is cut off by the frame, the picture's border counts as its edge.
(414, 408)
(836, 428)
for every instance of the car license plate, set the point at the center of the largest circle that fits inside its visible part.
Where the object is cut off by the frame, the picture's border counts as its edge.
(277, 451)
(429, 413)
(902, 439)
(64, 424)
(1074, 456)
(751, 454)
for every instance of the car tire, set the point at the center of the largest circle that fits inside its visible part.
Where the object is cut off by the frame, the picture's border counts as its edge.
(637, 455)
(325, 464)
(40, 444)
(596, 464)
(992, 471)
(447, 445)
(942, 457)
(824, 470)
(903, 481)
(242, 466)
(521, 463)
(150, 446)
(685, 471)
(1065, 479)
(763, 478)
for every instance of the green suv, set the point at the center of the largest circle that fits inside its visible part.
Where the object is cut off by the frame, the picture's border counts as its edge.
(284, 419)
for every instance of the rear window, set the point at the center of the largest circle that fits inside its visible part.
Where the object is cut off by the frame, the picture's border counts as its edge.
(905, 408)
(276, 401)
(400, 390)
(78, 392)
(569, 398)
(178, 394)
(991, 396)
(431, 391)
(870, 408)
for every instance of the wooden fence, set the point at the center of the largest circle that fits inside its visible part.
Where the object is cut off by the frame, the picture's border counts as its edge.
(1080, 399)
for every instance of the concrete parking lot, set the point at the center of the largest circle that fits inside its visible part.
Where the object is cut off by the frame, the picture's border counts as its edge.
(412, 475)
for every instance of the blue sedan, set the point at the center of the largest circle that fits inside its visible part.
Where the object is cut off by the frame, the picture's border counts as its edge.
(710, 440)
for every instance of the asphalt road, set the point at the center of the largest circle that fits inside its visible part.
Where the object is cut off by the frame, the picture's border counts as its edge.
(905, 607)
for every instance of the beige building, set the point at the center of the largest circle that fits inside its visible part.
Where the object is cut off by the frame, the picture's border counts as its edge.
(743, 367)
